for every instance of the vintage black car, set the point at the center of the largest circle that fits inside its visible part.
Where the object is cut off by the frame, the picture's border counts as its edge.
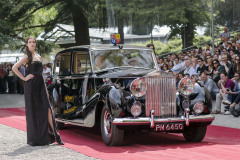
(121, 88)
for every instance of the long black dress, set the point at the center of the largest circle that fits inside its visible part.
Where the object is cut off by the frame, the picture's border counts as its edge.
(37, 104)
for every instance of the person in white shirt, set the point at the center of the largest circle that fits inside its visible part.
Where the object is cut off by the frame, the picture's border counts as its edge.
(193, 69)
(181, 66)
(225, 33)
(187, 66)
(45, 71)
(210, 85)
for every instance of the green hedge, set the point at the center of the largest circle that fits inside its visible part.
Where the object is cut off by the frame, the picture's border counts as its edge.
(174, 44)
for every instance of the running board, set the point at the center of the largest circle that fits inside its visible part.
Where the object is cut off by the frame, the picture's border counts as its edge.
(88, 121)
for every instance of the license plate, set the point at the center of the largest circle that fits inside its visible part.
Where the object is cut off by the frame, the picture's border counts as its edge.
(169, 127)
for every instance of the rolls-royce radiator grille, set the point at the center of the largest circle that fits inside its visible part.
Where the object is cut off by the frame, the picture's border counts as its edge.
(161, 96)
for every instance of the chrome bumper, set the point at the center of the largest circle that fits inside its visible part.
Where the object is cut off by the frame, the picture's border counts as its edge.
(151, 120)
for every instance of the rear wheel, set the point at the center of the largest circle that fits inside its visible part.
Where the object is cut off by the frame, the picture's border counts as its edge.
(194, 134)
(111, 135)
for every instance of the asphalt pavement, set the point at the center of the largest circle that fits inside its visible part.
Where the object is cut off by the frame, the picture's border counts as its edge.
(13, 141)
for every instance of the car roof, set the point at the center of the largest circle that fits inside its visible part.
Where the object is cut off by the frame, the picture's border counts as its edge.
(107, 46)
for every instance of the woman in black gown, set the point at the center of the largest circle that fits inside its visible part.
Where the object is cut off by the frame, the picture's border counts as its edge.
(41, 126)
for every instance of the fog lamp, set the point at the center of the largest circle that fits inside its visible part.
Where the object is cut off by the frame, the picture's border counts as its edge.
(136, 109)
(198, 107)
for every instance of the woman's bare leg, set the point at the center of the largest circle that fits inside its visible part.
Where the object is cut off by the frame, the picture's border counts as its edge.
(56, 134)
(50, 121)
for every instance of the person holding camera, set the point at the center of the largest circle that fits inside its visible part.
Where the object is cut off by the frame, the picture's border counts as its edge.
(232, 94)
(225, 84)
(235, 112)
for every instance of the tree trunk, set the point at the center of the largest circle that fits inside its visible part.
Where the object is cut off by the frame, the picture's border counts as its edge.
(80, 23)
(187, 33)
(140, 25)
(120, 29)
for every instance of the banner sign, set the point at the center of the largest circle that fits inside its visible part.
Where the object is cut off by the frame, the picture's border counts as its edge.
(115, 38)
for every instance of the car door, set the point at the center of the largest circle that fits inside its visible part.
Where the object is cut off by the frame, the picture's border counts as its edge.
(61, 82)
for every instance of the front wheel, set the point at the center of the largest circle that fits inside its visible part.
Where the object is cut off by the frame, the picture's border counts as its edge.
(111, 135)
(194, 134)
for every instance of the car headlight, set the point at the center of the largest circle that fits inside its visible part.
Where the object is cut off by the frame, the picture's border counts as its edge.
(138, 87)
(198, 107)
(186, 86)
(136, 109)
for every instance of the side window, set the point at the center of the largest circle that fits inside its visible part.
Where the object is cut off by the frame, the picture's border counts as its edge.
(62, 64)
(81, 63)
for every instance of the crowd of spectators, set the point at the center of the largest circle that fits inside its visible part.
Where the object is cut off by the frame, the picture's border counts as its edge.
(10, 83)
(218, 70)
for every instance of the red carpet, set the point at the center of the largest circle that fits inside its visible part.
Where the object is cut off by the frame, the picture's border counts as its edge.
(220, 142)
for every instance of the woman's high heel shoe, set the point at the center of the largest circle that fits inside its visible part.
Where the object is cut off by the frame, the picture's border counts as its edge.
(59, 140)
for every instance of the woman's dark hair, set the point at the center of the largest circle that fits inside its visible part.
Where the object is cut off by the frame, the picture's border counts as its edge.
(236, 66)
(149, 45)
(215, 60)
(224, 73)
(27, 51)
(164, 64)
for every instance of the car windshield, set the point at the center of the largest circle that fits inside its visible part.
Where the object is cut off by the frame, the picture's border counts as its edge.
(104, 59)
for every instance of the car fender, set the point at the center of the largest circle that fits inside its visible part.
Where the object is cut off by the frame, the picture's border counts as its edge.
(114, 100)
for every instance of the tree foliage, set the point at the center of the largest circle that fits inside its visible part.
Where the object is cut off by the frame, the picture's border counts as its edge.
(181, 16)
(19, 19)
(227, 13)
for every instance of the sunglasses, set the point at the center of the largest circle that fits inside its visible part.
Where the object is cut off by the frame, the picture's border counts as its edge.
(236, 59)
(199, 61)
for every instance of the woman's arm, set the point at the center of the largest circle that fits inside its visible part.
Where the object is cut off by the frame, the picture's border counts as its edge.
(17, 65)
(226, 67)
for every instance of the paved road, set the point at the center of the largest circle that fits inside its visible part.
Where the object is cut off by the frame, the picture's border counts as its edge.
(13, 146)
(11, 100)
(13, 141)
